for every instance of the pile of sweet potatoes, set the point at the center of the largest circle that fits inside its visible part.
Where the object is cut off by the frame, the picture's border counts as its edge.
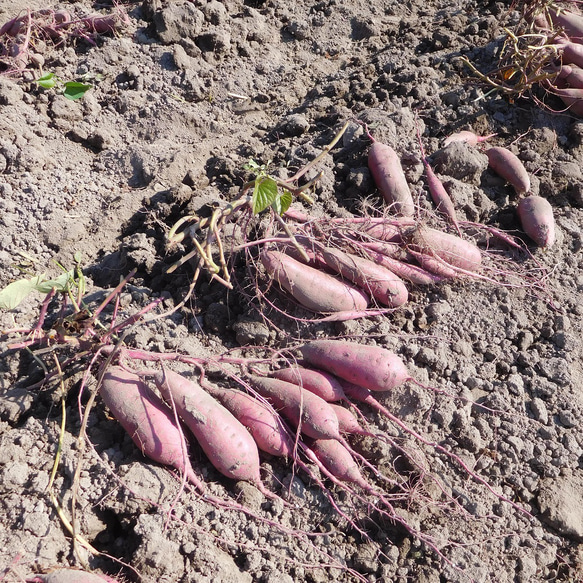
(303, 413)
(20, 36)
(347, 266)
(562, 24)
(233, 426)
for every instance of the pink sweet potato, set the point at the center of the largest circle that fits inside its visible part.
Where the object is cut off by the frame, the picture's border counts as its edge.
(265, 426)
(467, 137)
(537, 220)
(312, 288)
(509, 166)
(439, 195)
(393, 250)
(452, 249)
(389, 177)
(387, 230)
(372, 367)
(318, 382)
(148, 421)
(571, 22)
(411, 273)
(339, 462)
(378, 281)
(570, 76)
(572, 97)
(435, 265)
(14, 26)
(571, 53)
(306, 410)
(228, 445)
(347, 422)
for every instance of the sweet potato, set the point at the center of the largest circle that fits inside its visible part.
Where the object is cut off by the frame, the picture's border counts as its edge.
(570, 76)
(571, 53)
(537, 220)
(229, 447)
(509, 166)
(318, 382)
(467, 137)
(387, 230)
(390, 249)
(439, 195)
(435, 265)
(312, 288)
(378, 281)
(339, 462)
(347, 422)
(406, 271)
(103, 24)
(572, 97)
(148, 421)
(571, 22)
(372, 367)
(265, 426)
(312, 414)
(14, 26)
(389, 177)
(453, 250)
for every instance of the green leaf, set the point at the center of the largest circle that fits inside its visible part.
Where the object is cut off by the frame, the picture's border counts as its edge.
(16, 291)
(47, 81)
(75, 90)
(264, 194)
(252, 165)
(282, 202)
(61, 284)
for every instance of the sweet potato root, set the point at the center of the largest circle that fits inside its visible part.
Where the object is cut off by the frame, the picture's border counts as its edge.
(148, 421)
(537, 220)
(372, 367)
(312, 288)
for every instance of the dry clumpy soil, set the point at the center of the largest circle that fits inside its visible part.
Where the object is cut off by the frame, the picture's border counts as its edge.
(182, 99)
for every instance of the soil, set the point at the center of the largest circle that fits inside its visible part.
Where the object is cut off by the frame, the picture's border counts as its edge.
(182, 98)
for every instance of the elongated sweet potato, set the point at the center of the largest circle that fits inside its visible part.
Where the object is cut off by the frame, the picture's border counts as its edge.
(347, 422)
(371, 367)
(306, 410)
(571, 53)
(509, 166)
(467, 137)
(411, 273)
(537, 220)
(228, 445)
(265, 426)
(381, 283)
(339, 462)
(571, 22)
(312, 288)
(321, 383)
(389, 177)
(387, 230)
(572, 97)
(452, 249)
(148, 421)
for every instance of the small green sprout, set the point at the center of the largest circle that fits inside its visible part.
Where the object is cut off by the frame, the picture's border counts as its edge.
(72, 90)
(266, 192)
